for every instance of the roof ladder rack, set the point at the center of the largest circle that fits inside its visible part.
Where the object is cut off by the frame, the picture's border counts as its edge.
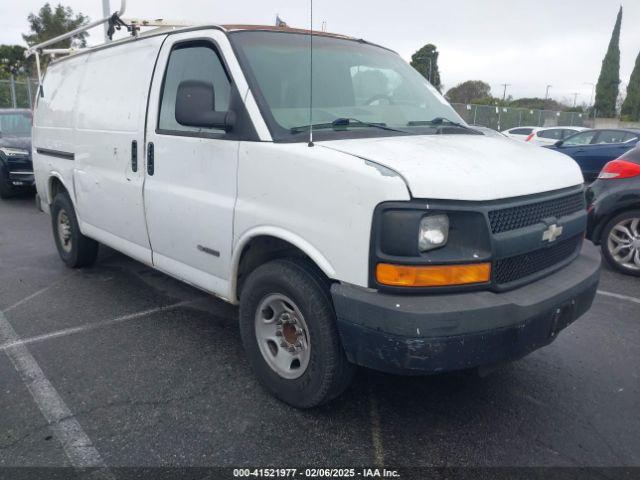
(115, 22)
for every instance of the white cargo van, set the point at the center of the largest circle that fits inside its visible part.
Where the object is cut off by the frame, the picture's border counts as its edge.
(399, 239)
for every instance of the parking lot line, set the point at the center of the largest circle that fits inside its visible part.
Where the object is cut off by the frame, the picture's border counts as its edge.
(68, 431)
(88, 326)
(619, 296)
(26, 299)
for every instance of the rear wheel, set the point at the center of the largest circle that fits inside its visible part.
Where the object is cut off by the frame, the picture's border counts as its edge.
(289, 332)
(621, 242)
(74, 248)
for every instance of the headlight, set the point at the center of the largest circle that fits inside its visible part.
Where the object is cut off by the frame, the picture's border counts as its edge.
(14, 152)
(434, 232)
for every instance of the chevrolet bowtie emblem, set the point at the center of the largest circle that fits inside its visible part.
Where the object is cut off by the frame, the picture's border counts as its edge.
(552, 233)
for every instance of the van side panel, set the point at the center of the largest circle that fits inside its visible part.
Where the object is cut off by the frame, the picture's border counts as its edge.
(111, 112)
(54, 126)
(324, 199)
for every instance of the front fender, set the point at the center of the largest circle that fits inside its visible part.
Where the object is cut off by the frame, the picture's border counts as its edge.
(277, 232)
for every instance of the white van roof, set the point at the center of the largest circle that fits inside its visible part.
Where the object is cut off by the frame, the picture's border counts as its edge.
(171, 28)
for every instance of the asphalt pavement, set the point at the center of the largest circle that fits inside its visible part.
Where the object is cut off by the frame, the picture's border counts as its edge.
(123, 365)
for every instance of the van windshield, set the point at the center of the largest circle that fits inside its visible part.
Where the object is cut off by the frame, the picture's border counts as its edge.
(356, 86)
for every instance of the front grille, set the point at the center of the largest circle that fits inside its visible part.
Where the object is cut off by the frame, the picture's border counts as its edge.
(511, 269)
(522, 216)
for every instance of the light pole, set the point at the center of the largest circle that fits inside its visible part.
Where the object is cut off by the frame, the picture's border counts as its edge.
(593, 92)
(546, 95)
(106, 12)
(575, 99)
(425, 57)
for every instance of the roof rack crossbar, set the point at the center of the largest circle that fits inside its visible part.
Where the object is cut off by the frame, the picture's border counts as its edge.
(39, 47)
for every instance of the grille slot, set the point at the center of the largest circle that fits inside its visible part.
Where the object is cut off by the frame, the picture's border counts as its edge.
(511, 269)
(522, 216)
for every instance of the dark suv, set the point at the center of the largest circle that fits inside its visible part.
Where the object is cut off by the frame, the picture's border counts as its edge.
(16, 169)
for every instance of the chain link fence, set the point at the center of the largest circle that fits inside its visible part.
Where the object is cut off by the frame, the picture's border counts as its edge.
(20, 93)
(503, 118)
(17, 93)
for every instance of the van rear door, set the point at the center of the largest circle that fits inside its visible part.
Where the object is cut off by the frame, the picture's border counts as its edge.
(190, 189)
(109, 144)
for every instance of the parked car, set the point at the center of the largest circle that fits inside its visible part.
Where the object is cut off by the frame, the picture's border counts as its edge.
(519, 133)
(614, 212)
(388, 234)
(551, 135)
(16, 169)
(592, 149)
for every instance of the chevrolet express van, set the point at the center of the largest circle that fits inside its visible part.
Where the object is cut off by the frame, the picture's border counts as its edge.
(398, 239)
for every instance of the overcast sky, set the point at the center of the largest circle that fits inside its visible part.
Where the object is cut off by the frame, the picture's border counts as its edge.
(526, 43)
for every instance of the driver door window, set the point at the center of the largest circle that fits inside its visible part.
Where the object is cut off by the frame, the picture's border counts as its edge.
(584, 138)
(192, 62)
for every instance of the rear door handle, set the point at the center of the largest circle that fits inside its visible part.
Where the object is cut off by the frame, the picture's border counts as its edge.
(150, 159)
(134, 156)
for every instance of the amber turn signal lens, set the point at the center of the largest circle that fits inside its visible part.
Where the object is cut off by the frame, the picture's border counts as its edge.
(432, 275)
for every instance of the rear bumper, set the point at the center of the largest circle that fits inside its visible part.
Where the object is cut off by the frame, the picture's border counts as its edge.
(435, 333)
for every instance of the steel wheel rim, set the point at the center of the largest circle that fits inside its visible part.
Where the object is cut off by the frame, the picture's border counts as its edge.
(623, 243)
(283, 336)
(64, 231)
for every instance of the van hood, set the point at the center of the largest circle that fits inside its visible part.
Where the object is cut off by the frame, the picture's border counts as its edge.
(15, 142)
(466, 167)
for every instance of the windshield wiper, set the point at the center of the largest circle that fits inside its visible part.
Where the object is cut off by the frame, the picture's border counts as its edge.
(442, 121)
(339, 123)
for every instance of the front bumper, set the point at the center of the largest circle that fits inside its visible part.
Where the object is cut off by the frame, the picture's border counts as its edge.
(21, 179)
(425, 334)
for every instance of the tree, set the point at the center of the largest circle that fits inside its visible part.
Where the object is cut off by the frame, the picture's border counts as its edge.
(51, 22)
(538, 104)
(12, 61)
(467, 92)
(609, 80)
(425, 61)
(631, 106)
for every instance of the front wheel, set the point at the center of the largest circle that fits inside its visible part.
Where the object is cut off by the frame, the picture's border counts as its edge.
(74, 248)
(289, 332)
(621, 242)
(6, 189)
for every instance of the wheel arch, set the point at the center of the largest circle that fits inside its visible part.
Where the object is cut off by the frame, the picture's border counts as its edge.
(598, 231)
(263, 244)
(56, 184)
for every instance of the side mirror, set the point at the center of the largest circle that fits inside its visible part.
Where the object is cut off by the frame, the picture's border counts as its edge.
(558, 143)
(195, 103)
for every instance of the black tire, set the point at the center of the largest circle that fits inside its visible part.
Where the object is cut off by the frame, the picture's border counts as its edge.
(6, 189)
(605, 245)
(328, 372)
(79, 251)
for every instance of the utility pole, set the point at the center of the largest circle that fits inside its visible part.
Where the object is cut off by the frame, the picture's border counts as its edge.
(106, 12)
(504, 92)
(546, 95)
